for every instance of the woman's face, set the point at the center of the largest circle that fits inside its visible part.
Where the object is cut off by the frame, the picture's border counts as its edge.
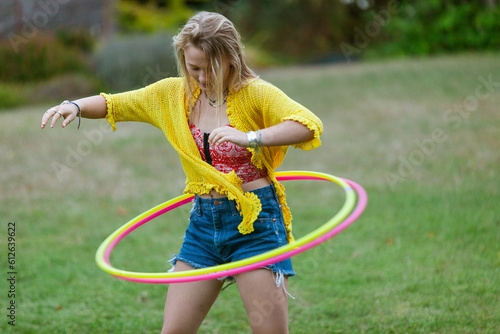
(197, 66)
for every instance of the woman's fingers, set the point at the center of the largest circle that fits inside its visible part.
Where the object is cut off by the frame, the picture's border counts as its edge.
(55, 113)
(67, 120)
(228, 134)
(47, 115)
(56, 116)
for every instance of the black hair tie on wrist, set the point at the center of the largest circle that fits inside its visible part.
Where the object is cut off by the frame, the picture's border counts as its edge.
(79, 114)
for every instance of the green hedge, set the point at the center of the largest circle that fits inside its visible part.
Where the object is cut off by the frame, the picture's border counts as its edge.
(433, 27)
(40, 58)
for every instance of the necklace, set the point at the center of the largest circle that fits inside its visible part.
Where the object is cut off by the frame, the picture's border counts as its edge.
(212, 102)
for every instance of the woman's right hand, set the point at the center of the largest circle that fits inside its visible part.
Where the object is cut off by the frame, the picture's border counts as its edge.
(68, 111)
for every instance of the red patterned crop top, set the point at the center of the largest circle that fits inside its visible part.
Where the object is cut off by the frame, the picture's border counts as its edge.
(227, 156)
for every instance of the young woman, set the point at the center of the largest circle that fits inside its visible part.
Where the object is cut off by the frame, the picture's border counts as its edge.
(231, 130)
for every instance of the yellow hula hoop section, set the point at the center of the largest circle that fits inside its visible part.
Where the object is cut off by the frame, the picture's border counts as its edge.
(104, 250)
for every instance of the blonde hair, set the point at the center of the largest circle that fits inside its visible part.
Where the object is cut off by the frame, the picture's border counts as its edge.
(218, 38)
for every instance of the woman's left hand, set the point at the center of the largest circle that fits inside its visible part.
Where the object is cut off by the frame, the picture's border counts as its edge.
(228, 134)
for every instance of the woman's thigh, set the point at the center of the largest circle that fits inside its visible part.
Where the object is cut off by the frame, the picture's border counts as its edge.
(187, 304)
(266, 303)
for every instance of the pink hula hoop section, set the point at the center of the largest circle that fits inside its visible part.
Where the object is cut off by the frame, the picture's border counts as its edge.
(354, 205)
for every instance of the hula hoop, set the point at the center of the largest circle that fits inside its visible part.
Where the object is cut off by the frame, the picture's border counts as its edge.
(349, 212)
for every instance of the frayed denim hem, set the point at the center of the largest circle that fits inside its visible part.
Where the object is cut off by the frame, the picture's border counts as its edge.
(175, 258)
(278, 275)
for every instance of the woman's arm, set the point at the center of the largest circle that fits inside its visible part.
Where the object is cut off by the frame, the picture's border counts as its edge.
(282, 134)
(286, 133)
(90, 107)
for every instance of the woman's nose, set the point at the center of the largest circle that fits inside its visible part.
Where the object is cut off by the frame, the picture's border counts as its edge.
(203, 76)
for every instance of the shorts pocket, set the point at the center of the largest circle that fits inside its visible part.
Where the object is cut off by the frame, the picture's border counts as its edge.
(270, 229)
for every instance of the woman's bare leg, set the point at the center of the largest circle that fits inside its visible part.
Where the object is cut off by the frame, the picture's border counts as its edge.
(265, 303)
(187, 304)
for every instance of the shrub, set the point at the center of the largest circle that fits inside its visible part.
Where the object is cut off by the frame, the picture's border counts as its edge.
(139, 17)
(430, 27)
(78, 39)
(135, 61)
(12, 95)
(40, 58)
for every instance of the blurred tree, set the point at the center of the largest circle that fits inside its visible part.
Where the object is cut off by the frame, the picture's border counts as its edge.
(296, 29)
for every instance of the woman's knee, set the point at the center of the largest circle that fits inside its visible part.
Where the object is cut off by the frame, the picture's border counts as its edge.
(266, 304)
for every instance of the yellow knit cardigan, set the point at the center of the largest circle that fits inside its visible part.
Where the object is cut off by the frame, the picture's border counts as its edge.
(258, 105)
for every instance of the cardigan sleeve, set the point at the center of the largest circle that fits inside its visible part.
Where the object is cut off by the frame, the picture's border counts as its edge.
(278, 107)
(146, 104)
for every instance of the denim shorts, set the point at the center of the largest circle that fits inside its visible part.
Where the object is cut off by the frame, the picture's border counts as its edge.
(212, 237)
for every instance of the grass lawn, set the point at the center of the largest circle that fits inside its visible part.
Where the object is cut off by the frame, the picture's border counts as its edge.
(422, 136)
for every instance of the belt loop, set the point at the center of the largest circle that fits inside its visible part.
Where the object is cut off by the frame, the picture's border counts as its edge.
(198, 205)
(275, 194)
